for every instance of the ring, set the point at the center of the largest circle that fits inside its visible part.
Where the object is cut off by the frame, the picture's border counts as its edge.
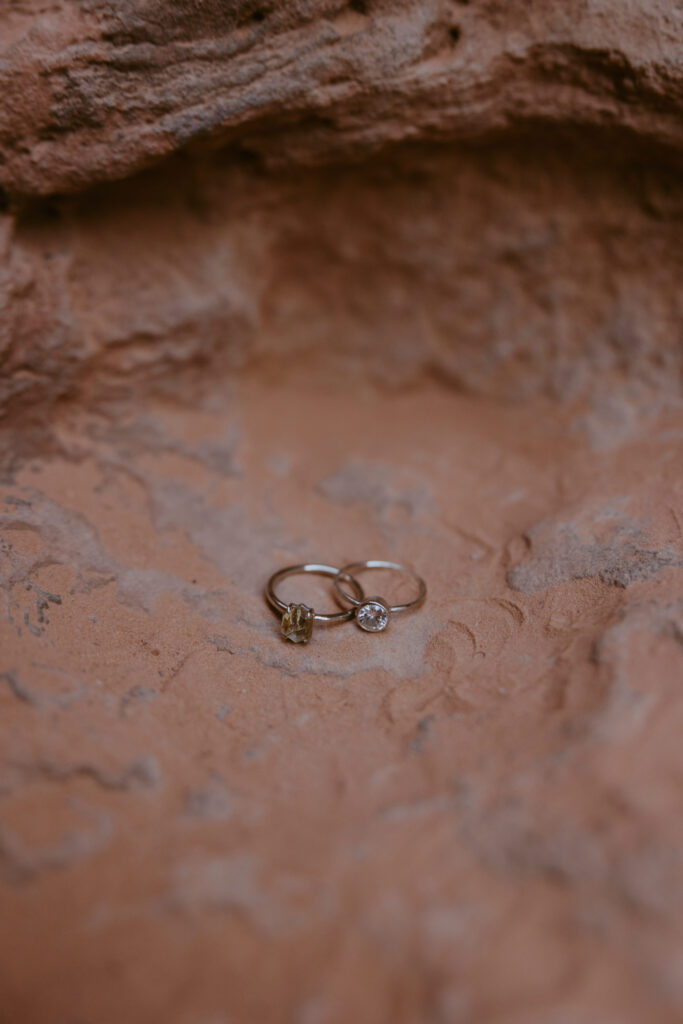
(373, 613)
(298, 619)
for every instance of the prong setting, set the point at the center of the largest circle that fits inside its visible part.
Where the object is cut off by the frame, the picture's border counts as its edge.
(297, 623)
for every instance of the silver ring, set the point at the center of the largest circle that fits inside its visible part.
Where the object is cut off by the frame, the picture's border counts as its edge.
(373, 613)
(298, 619)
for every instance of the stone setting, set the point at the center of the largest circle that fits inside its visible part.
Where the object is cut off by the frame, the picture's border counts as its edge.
(373, 615)
(297, 623)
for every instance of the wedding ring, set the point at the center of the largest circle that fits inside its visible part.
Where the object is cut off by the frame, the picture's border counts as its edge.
(373, 613)
(298, 619)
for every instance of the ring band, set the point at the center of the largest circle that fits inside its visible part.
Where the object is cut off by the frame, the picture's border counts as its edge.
(298, 619)
(373, 613)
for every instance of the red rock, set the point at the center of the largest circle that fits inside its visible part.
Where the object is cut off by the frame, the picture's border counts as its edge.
(397, 281)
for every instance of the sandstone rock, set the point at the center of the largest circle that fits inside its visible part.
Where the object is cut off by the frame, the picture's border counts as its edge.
(97, 91)
(321, 281)
(497, 271)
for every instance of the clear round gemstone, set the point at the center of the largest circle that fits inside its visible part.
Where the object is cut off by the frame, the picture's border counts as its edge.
(372, 615)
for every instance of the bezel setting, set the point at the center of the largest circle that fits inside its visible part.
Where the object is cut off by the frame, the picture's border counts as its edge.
(373, 614)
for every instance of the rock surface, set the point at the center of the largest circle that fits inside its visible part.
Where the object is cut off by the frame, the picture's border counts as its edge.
(498, 270)
(491, 192)
(95, 91)
(472, 816)
(325, 281)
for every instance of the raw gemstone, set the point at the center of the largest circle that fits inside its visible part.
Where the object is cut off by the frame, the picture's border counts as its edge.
(372, 615)
(297, 623)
